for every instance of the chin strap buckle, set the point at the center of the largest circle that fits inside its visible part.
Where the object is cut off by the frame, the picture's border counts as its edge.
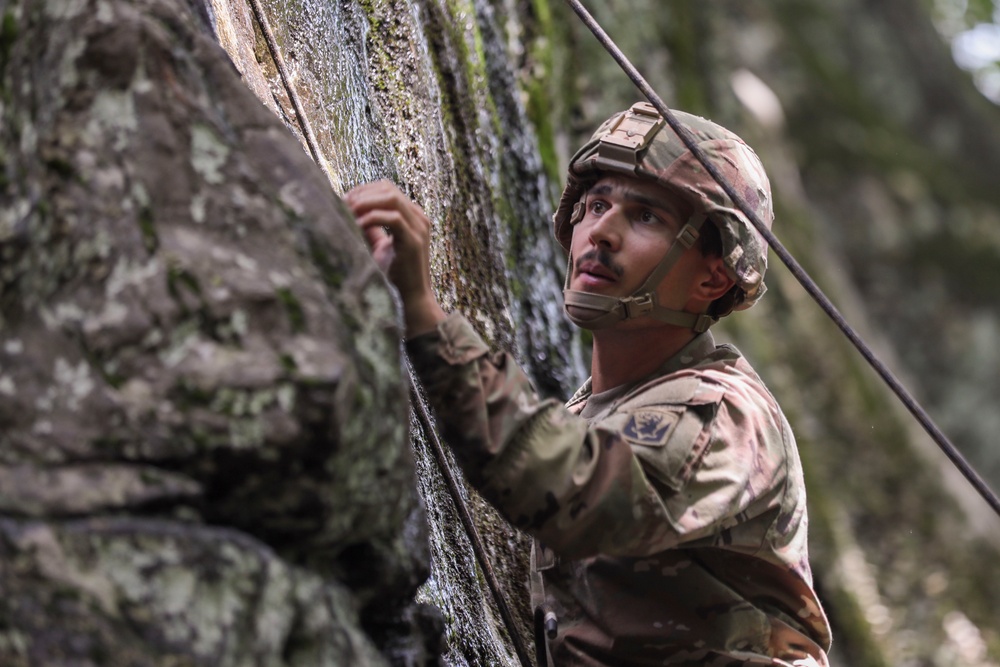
(638, 306)
(643, 305)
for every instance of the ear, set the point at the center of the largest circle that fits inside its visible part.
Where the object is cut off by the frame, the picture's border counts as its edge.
(715, 280)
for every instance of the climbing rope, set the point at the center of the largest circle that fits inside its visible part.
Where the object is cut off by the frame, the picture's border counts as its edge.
(810, 286)
(286, 80)
(455, 491)
(422, 410)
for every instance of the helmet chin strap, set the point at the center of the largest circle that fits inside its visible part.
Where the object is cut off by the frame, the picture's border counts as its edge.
(609, 310)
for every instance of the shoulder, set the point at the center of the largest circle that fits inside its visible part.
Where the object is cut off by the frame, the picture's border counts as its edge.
(724, 376)
(717, 413)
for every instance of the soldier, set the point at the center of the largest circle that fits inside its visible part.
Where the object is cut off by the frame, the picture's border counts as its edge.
(666, 497)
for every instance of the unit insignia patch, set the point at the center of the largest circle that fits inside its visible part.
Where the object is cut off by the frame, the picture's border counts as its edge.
(649, 427)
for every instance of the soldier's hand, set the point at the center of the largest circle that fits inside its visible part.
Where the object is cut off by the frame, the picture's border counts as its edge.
(399, 235)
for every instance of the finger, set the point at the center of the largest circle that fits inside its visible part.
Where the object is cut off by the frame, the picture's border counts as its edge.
(381, 195)
(381, 222)
(409, 229)
(396, 230)
(366, 194)
(376, 236)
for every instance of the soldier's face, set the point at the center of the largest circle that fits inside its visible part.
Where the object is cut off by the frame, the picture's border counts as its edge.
(628, 227)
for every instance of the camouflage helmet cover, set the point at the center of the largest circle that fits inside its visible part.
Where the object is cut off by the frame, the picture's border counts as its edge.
(667, 161)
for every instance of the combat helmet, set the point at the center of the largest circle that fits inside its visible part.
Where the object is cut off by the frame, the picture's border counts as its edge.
(638, 143)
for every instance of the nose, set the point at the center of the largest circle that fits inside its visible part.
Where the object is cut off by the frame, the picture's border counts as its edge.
(605, 230)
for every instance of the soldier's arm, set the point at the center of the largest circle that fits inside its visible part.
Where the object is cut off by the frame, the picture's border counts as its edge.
(581, 489)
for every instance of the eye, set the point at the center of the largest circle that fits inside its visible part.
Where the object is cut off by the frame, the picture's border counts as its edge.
(597, 207)
(649, 218)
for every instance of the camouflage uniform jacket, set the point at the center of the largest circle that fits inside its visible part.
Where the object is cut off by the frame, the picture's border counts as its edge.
(669, 515)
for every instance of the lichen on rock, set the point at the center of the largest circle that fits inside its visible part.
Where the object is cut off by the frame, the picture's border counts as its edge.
(199, 365)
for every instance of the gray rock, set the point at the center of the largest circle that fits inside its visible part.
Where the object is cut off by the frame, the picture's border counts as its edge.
(203, 422)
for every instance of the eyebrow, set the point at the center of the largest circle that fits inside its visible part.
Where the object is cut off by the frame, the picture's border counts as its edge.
(606, 188)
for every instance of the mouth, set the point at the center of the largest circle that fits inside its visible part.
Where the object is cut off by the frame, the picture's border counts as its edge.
(591, 272)
(595, 271)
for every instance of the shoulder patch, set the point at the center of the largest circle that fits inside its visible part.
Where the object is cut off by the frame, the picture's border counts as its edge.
(650, 426)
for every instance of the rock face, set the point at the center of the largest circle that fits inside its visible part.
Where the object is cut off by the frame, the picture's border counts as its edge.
(430, 95)
(194, 347)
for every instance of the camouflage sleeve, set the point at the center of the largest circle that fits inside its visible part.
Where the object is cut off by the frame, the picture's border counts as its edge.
(579, 488)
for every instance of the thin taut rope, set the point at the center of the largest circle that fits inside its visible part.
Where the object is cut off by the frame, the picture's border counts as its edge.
(810, 286)
(465, 515)
(286, 80)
